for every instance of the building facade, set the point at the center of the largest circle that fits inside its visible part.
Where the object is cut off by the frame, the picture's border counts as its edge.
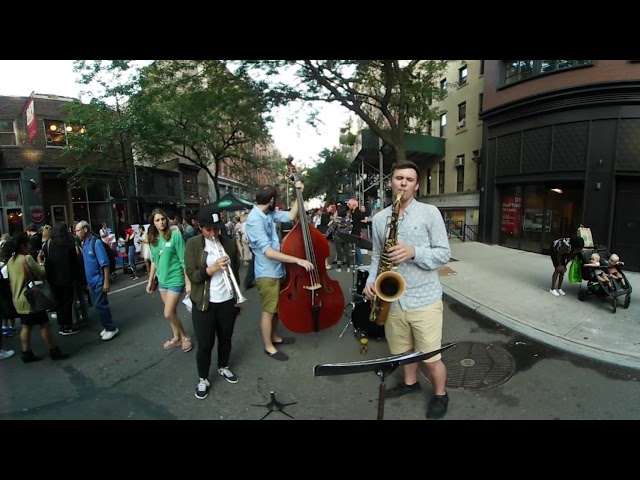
(33, 188)
(561, 148)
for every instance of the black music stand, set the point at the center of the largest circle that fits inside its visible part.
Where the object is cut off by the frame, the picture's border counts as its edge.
(383, 367)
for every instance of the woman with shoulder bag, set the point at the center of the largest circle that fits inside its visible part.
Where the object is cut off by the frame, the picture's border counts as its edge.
(207, 256)
(18, 248)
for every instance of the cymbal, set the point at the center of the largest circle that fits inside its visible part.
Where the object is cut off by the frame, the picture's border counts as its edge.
(355, 239)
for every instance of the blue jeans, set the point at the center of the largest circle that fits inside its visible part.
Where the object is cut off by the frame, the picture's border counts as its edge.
(132, 259)
(358, 255)
(101, 304)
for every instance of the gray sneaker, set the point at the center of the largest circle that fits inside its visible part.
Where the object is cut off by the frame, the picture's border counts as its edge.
(4, 354)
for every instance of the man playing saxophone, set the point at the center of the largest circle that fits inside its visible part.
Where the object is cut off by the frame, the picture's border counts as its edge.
(415, 320)
(209, 261)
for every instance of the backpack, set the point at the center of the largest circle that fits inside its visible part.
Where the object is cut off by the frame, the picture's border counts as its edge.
(110, 253)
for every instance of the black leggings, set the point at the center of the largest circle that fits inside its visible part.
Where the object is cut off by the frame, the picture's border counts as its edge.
(218, 320)
(64, 309)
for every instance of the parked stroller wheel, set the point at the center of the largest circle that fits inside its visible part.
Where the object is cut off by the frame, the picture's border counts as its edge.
(627, 301)
(581, 295)
(615, 304)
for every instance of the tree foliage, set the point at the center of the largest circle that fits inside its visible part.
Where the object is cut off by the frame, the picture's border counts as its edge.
(106, 122)
(392, 97)
(199, 111)
(329, 176)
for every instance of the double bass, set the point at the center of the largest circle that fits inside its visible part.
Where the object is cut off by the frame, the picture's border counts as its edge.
(310, 301)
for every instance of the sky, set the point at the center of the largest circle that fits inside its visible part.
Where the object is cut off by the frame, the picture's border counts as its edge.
(56, 77)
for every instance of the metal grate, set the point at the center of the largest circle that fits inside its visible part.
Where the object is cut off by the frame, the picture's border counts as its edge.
(477, 366)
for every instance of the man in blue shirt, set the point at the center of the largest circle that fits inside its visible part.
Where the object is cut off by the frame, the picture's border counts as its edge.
(96, 269)
(268, 259)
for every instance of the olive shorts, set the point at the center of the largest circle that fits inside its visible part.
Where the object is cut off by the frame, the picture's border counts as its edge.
(269, 289)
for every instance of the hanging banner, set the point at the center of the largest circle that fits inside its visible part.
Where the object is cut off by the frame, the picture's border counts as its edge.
(32, 125)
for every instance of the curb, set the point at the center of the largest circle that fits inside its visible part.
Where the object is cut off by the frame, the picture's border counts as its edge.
(540, 336)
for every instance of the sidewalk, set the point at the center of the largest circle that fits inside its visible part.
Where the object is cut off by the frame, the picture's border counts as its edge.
(511, 287)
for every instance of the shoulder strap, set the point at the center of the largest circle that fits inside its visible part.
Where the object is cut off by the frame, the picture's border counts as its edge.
(27, 270)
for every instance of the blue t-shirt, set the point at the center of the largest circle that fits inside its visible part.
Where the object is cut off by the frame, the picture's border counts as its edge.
(261, 231)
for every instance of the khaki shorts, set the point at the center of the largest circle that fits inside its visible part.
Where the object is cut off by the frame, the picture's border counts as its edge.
(269, 289)
(419, 329)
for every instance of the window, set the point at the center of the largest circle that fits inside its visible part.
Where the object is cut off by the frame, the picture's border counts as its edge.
(518, 70)
(441, 177)
(429, 127)
(55, 133)
(462, 115)
(443, 86)
(480, 103)
(443, 123)
(481, 67)
(462, 75)
(429, 181)
(169, 185)
(8, 133)
(190, 183)
(460, 180)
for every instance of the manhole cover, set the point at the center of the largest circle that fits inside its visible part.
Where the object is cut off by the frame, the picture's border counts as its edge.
(477, 366)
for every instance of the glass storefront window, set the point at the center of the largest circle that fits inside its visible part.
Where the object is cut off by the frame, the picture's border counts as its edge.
(11, 195)
(97, 191)
(534, 218)
(564, 207)
(99, 213)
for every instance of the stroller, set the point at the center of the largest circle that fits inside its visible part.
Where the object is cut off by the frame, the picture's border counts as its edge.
(594, 276)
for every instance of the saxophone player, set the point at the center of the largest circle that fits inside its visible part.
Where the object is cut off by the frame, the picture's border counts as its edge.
(415, 320)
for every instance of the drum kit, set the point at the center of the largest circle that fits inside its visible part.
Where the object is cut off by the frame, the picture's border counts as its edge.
(360, 307)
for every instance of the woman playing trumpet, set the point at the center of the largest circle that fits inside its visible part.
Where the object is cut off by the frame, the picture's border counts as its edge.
(208, 258)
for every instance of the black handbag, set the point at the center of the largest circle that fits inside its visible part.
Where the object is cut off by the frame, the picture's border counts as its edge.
(39, 293)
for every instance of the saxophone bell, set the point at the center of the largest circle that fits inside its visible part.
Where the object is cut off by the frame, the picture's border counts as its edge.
(389, 286)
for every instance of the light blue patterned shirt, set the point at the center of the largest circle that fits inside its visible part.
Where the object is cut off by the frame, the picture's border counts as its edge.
(261, 231)
(422, 227)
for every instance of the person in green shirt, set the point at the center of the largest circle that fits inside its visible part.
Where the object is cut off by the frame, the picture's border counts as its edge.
(167, 262)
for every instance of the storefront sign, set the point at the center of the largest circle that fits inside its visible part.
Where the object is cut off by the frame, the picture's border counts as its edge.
(510, 214)
(37, 216)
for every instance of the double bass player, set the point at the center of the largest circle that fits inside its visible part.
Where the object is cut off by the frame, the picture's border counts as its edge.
(268, 260)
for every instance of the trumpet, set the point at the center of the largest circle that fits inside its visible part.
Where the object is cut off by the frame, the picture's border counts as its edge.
(229, 278)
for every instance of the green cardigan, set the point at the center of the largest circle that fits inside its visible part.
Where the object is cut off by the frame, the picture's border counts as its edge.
(18, 280)
(195, 265)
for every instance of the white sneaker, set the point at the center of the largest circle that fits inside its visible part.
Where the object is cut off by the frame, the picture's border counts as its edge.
(103, 332)
(109, 334)
(561, 292)
(202, 389)
(339, 270)
(348, 270)
(554, 292)
(228, 375)
(4, 354)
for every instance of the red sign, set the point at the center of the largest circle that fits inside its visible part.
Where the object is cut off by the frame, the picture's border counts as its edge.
(510, 222)
(37, 216)
(32, 125)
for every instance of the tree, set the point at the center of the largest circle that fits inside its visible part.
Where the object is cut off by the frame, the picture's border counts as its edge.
(199, 111)
(107, 125)
(392, 97)
(327, 178)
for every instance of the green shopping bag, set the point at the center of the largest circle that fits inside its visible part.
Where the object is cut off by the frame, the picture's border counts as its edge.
(575, 273)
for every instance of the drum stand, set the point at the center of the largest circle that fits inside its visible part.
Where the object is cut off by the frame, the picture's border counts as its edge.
(353, 301)
(383, 367)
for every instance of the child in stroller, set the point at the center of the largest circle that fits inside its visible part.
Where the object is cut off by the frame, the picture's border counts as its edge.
(601, 282)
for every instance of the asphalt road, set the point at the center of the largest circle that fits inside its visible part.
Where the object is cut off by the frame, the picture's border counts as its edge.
(133, 377)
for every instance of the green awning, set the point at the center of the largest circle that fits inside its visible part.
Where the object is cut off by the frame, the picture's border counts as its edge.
(419, 148)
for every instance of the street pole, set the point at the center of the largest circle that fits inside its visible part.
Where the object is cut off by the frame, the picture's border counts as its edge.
(381, 174)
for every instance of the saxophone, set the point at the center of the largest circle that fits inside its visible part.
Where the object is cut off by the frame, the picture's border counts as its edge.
(389, 285)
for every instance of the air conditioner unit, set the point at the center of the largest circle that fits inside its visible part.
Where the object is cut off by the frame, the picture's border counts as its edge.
(461, 123)
(458, 162)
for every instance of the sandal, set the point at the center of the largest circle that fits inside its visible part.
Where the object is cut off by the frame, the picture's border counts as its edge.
(186, 345)
(173, 343)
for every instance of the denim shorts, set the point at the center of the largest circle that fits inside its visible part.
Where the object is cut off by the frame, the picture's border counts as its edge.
(174, 290)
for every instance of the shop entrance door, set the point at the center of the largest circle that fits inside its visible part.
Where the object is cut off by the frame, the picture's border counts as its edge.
(626, 223)
(59, 214)
(12, 220)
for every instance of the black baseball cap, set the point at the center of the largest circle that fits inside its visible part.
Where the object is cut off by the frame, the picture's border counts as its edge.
(209, 216)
